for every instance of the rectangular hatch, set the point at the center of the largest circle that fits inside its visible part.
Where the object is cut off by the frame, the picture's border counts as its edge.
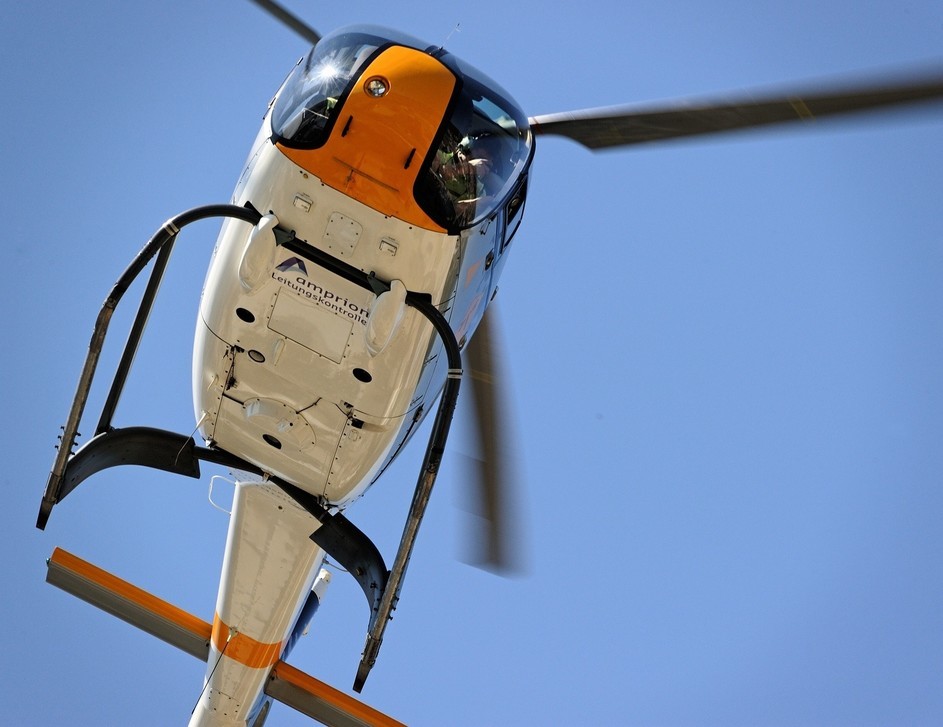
(313, 326)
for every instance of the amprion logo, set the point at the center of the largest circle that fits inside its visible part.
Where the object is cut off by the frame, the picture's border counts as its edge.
(293, 263)
(314, 292)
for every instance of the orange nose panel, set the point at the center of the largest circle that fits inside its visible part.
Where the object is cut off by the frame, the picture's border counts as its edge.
(378, 144)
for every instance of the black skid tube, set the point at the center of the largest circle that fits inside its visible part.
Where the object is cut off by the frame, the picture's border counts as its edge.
(162, 242)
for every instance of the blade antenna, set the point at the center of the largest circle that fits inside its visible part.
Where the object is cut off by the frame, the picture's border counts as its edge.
(290, 20)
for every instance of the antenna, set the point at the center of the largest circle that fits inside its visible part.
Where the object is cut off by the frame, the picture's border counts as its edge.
(456, 29)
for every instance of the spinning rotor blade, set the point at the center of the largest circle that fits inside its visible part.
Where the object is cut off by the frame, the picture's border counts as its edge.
(292, 21)
(624, 126)
(493, 476)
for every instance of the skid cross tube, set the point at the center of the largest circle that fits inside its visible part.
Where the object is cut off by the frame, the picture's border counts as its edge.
(162, 242)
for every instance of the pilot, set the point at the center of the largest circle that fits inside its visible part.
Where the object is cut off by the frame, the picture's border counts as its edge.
(469, 172)
(484, 155)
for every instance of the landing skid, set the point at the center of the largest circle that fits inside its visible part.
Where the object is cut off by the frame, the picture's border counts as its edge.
(179, 454)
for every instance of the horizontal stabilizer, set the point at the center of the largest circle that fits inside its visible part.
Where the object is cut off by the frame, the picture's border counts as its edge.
(321, 701)
(159, 618)
(137, 607)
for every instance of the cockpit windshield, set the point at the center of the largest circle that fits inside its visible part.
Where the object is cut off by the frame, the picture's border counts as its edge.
(304, 108)
(479, 151)
(483, 148)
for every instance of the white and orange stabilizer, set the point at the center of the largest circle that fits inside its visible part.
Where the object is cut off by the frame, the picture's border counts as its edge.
(288, 685)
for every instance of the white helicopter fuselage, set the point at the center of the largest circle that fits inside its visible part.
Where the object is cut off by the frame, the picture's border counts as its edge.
(284, 376)
(283, 373)
(313, 378)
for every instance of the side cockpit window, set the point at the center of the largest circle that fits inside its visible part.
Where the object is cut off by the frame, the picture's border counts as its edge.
(514, 213)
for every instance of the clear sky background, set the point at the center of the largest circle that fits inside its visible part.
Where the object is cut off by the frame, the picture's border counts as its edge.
(725, 361)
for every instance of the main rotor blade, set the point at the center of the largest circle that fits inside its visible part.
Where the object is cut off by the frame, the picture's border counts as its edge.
(493, 480)
(623, 126)
(292, 21)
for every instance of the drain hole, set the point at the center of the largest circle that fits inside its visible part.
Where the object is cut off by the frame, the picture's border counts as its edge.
(272, 441)
(362, 375)
(245, 315)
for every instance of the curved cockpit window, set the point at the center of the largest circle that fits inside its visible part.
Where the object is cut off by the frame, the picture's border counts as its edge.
(483, 148)
(305, 106)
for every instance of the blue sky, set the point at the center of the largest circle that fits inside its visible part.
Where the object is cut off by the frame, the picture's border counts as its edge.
(723, 358)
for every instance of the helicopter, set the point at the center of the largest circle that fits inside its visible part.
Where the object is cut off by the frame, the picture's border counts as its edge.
(375, 301)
